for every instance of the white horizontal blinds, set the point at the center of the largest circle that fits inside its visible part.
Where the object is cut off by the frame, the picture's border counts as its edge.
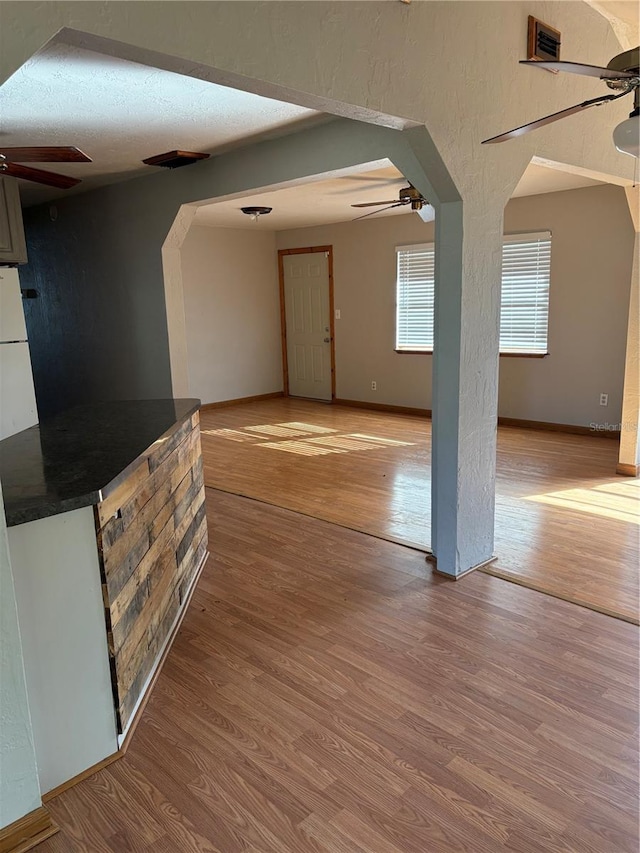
(415, 293)
(524, 315)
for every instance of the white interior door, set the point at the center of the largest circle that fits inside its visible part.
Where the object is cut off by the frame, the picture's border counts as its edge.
(308, 324)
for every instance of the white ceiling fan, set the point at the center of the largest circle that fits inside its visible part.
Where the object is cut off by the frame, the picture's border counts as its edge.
(621, 74)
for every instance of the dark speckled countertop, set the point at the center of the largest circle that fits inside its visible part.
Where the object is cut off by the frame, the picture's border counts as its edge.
(77, 457)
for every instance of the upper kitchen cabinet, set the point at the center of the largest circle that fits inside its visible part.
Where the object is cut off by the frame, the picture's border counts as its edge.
(13, 247)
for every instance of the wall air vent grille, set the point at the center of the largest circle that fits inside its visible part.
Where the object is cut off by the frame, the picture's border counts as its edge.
(175, 159)
(543, 41)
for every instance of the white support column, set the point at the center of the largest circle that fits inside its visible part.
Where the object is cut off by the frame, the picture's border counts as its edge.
(629, 458)
(465, 382)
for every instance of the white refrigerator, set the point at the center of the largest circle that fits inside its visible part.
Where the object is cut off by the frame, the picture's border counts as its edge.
(17, 397)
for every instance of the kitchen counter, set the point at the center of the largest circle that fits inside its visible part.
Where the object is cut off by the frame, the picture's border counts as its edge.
(78, 457)
(107, 538)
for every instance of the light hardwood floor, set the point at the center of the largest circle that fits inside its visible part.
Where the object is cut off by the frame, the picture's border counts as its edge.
(565, 522)
(328, 694)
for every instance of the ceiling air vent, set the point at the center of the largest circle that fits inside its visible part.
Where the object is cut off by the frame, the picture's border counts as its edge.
(543, 41)
(175, 159)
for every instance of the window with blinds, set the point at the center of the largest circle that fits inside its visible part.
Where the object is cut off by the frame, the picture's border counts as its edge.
(415, 294)
(524, 304)
(524, 314)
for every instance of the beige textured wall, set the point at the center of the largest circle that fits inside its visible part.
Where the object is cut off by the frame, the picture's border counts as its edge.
(591, 260)
(232, 313)
(630, 434)
(592, 251)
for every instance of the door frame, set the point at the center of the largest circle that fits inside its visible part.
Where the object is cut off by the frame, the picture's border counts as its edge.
(283, 317)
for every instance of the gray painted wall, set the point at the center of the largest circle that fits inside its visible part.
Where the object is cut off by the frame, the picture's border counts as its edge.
(98, 326)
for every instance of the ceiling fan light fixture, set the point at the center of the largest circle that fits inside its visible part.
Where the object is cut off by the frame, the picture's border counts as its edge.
(255, 212)
(626, 136)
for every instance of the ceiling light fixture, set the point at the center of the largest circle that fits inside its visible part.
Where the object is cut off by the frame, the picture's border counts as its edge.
(255, 212)
(626, 136)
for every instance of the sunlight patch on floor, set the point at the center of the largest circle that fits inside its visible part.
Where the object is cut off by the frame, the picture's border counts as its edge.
(392, 442)
(229, 434)
(617, 500)
(313, 428)
(302, 448)
(321, 445)
(255, 432)
(313, 440)
(276, 430)
(344, 442)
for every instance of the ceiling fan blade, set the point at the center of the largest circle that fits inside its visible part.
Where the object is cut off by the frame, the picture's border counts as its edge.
(541, 122)
(364, 216)
(51, 179)
(581, 68)
(50, 154)
(377, 203)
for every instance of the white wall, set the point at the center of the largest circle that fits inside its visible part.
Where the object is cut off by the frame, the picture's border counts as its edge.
(59, 598)
(19, 789)
(232, 313)
(592, 251)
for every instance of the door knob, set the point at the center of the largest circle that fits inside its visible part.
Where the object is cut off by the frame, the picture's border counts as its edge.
(327, 340)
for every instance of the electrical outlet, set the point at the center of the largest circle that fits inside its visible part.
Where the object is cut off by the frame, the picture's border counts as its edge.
(604, 399)
(374, 386)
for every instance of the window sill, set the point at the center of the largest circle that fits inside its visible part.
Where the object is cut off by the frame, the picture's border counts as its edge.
(524, 354)
(502, 354)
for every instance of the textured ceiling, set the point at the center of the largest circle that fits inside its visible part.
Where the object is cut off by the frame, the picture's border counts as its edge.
(316, 203)
(542, 179)
(327, 201)
(121, 112)
(624, 17)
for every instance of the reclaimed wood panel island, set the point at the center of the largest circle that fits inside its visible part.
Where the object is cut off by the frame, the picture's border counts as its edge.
(107, 536)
